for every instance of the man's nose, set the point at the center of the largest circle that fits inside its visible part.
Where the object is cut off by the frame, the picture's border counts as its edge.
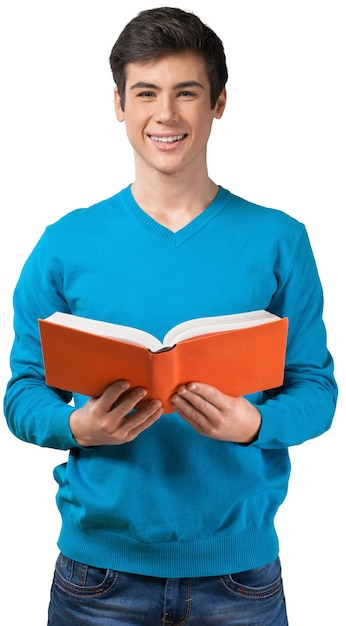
(166, 110)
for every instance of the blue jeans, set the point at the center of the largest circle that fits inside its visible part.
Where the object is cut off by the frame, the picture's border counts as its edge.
(85, 596)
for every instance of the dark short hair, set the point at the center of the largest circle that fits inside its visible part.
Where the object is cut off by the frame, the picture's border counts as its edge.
(157, 32)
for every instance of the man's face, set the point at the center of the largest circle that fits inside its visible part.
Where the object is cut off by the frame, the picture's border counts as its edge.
(167, 113)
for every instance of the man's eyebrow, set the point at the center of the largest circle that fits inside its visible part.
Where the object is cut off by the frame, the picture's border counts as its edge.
(143, 85)
(182, 85)
(189, 83)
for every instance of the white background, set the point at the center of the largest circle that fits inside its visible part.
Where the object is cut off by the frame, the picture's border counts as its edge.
(281, 143)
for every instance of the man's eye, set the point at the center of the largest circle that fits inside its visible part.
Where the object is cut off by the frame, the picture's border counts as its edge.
(186, 94)
(146, 94)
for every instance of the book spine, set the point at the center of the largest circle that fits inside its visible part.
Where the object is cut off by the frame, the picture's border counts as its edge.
(163, 376)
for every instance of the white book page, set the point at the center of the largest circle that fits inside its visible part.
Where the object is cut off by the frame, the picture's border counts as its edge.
(185, 330)
(107, 329)
(205, 325)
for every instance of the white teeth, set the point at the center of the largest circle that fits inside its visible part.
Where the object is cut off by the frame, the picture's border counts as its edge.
(167, 139)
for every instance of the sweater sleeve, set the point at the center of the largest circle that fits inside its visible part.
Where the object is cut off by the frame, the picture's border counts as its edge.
(35, 412)
(303, 408)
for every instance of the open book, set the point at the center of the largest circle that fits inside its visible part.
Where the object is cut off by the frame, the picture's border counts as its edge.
(239, 354)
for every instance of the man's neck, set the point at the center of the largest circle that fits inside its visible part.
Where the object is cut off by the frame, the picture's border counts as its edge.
(172, 201)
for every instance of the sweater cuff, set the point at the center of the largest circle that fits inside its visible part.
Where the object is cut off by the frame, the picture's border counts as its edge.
(272, 430)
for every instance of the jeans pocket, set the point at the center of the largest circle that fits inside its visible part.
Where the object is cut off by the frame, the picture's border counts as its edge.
(79, 579)
(260, 582)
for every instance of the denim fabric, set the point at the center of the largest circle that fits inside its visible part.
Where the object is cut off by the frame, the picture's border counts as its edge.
(85, 596)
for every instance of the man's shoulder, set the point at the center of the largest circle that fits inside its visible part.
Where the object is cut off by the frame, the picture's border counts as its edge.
(260, 215)
(95, 213)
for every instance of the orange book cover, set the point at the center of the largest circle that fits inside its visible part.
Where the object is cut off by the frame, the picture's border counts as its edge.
(239, 361)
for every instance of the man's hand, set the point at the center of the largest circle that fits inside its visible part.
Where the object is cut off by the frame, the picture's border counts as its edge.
(217, 415)
(107, 420)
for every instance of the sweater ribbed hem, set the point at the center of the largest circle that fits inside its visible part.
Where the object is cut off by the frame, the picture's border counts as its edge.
(182, 559)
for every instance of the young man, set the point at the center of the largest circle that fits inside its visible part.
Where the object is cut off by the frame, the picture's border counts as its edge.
(169, 519)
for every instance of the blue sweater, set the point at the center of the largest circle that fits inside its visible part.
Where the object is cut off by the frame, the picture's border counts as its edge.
(173, 503)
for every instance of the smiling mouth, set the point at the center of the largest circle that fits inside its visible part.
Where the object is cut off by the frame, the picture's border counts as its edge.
(171, 139)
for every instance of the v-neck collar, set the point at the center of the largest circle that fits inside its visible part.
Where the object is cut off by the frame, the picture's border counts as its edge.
(184, 233)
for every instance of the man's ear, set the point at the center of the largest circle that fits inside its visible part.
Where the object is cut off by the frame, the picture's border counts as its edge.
(117, 106)
(220, 104)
